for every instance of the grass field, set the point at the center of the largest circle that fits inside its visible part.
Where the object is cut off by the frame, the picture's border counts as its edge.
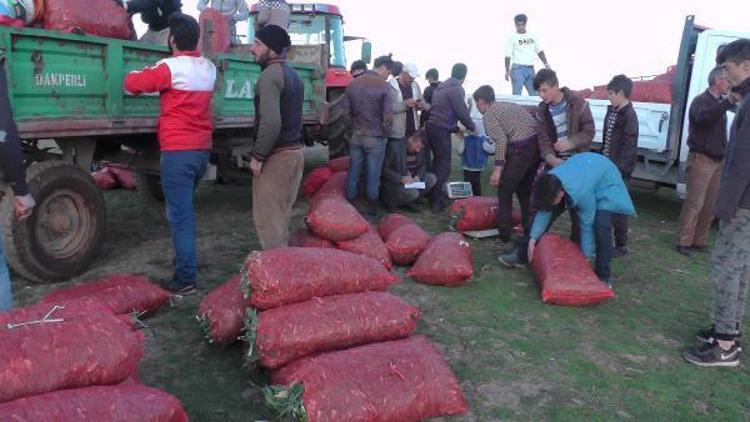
(516, 358)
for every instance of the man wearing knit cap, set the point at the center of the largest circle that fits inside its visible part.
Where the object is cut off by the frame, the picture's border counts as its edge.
(448, 108)
(276, 159)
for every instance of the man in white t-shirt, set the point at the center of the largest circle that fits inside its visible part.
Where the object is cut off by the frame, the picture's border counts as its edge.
(521, 51)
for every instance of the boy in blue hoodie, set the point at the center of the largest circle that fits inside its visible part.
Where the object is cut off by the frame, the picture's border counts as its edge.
(474, 151)
(590, 185)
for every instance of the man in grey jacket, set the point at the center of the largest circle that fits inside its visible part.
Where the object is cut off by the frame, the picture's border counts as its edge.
(233, 10)
(730, 263)
(448, 107)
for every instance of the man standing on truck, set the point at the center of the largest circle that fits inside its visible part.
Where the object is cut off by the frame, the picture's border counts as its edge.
(565, 127)
(512, 128)
(233, 10)
(370, 104)
(521, 50)
(11, 164)
(276, 158)
(185, 83)
(707, 139)
(448, 107)
(620, 144)
(155, 14)
(730, 263)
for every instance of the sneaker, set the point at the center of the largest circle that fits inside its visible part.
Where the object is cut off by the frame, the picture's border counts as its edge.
(510, 260)
(620, 251)
(608, 282)
(182, 289)
(708, 334)
(685, 250)
(711, 354)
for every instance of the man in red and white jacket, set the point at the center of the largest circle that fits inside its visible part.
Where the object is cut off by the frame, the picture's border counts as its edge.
(185, 83)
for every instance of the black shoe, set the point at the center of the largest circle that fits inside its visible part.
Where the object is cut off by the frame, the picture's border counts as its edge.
(411, 208)
(700, 249)
(708, 334)
(181, 289)
(620, 251)
(686, 251)
(510, 260)
(711, 354)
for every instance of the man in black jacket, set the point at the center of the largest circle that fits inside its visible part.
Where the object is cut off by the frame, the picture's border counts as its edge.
(448, 107)
(155, 14)
(620, 144)
(405, 164)
(707, 139)
(730, 263)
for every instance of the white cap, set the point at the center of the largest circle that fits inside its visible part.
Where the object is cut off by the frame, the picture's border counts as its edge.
(411, 69)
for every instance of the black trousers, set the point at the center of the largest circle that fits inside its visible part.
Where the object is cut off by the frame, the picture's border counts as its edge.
(475, 178)
(440, 144)
(519, 172)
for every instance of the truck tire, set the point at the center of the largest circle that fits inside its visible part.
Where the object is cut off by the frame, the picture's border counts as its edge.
(338, 129)
(62, 236)
(149, 188)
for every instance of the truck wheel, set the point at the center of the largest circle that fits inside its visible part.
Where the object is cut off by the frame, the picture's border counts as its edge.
(149, 189)
(338, 130)
(60, 239)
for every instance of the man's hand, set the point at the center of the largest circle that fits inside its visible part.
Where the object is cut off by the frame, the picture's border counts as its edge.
(23, 206)
(532, 246)
(554, 161)
(410, 103)
(407, 179)
(507, 76)
(564, 145)
(497, 173)
(256, 167)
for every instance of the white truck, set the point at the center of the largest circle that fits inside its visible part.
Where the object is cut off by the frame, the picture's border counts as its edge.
(663, 128)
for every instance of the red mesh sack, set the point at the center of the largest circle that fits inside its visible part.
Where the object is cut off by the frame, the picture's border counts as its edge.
(335, 219)
(315, 180)
(283, 276)
(104, 18)
(477, 213)
(404, 239)
(335, 186)
(116, 403)
(123, 293)
(446, 261)
(219, 32)
(104, 179)
(66, 353)
(221, 313)
(403, 380)
(369, 244)
(656, 91)
(391, 222)
(329, 323)
(564, 274)
(125, 177)
(304, 238)
(340, 164)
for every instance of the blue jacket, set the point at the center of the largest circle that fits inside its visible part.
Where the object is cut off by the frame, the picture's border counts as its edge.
(474, 156)
(591, 182)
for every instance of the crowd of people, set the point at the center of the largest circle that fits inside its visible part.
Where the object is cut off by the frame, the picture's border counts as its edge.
(401, 150)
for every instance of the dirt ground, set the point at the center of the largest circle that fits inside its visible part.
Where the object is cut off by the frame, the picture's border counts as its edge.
(516, 358)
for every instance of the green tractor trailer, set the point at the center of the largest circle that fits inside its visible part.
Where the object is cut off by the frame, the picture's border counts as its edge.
(68, 101)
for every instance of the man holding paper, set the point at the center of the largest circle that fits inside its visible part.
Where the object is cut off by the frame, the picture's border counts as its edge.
(401, 183)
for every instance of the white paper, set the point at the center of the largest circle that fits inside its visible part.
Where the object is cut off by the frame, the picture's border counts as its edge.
(415, 185)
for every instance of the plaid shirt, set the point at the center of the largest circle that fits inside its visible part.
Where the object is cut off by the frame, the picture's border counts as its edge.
(506, 123)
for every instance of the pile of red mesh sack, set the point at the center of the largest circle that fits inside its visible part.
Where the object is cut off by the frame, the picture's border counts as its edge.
(404, 239)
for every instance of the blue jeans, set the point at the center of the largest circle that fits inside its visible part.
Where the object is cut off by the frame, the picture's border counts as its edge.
(522, 76)
(367, 151)
(6, 296)
(180, 173)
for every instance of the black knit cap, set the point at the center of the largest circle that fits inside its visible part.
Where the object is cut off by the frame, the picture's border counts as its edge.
(274, 37)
